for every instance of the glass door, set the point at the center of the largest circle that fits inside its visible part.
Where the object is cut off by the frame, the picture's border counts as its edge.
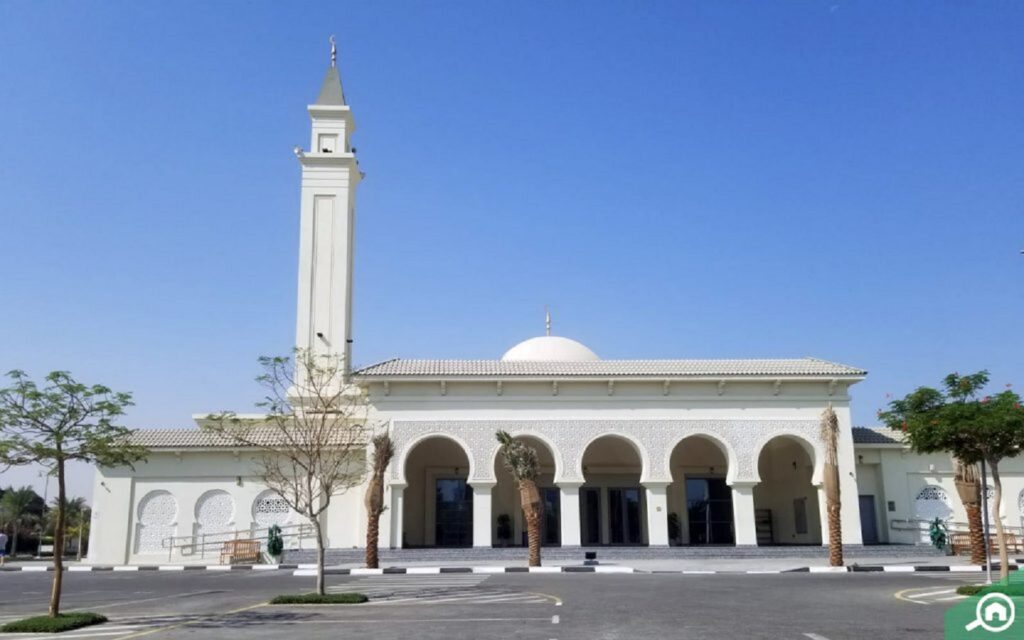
(551, 528)
(624, 513)
(590, 516)
(453, 513)
(709, 509)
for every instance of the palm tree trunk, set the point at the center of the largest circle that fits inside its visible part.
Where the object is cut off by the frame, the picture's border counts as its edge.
(830, 434)
(372, 533)
(968, 487)
(58, 543)
(533, 510)
(997, 498)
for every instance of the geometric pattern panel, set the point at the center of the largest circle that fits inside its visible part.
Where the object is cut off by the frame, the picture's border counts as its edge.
(215, 515)
(269, 508)
(932, 502)
(157, 516)
(654, 439)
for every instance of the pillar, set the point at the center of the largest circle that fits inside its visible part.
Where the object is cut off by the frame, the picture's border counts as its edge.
(657, 513)
(482, 523)
(570, 513)
(397, 514)
(744, 519)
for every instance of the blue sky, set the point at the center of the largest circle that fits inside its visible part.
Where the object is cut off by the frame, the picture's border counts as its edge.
(676, 179)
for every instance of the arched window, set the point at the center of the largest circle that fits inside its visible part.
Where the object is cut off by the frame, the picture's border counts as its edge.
(932, 502)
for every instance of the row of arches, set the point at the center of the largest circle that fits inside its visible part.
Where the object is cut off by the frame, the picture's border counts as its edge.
(438, 509)
(215, 517)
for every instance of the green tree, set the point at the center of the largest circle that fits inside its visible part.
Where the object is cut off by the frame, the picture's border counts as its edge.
(522, 462)
(21, 509)
(955, 420)
(61, 422)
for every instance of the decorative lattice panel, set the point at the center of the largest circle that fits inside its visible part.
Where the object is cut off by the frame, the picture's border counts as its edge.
(270, 508)
(157, 520)
(215, 514)
(933, 502)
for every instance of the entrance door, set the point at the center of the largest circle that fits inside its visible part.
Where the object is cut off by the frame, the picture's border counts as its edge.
(868, 523)
(709, 510)
(590, 516)
(551, 525)
(624, 514)
(453, 513)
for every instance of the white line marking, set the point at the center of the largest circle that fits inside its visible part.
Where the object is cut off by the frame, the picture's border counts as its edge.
(264, 567)
(488, 569)
(948, 598)
(33, 569)
(126, 568)
(172, 567)
(898, 569)
(613, 569)
(79, 568)
(218, 567)
(931, 593)
(554, 620)
(828, 569)
(545, 569)
(422, 570)
(698, 573)
(814, 636)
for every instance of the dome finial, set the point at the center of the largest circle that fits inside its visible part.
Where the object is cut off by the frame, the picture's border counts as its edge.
(547, 321)
(334, 51)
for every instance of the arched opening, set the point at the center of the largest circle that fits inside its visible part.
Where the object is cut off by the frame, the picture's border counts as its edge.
(157, 522)
(699, 500)
(611, 498)
(214, 518)
(509, 525)
(785, 502)
(438, 504)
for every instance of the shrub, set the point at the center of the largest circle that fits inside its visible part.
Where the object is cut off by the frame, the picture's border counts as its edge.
(1013, 589)
(46, 624)
(314, 598)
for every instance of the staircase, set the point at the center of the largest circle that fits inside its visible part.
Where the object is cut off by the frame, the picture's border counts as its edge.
(559, 554)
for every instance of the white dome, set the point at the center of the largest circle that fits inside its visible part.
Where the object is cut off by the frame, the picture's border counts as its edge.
(549, 349)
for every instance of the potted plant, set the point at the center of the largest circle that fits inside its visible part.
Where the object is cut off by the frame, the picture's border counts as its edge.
(275, 543)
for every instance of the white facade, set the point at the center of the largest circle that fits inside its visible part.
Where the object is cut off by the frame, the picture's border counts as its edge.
(647, 452)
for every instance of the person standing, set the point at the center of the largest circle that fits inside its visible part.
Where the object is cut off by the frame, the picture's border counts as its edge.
(3, 548)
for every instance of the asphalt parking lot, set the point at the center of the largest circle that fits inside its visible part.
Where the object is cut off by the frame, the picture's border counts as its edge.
(226, 605)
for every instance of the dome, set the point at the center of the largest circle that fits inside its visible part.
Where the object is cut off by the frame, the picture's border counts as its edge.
(549, 349)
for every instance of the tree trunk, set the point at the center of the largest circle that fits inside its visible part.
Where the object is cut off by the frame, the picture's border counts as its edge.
(81, 529)
(14, 538)
(58, 543)
(997, 499)
(976, 531)
(835, 522)
(533, 511)
(319, 556)
(372, 533)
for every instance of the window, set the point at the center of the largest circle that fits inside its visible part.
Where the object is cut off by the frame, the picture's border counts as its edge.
(327, 143)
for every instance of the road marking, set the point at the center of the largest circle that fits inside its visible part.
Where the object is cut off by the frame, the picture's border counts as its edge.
(150, 632)
(899, 596)
(815, 636)
(122, 603)
(932, 593)
(951, 598)
(554, 620)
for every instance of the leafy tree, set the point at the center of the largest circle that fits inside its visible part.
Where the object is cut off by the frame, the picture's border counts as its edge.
(522, 462)
(383, 452)
(61, 422)
(311, 443)
(830, 435)
(21, 508)
(957, 421)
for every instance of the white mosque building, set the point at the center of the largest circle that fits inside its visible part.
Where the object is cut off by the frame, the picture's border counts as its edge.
(652, 453)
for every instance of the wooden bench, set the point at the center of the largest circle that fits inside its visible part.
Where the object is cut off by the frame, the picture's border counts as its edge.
(961, 543)
(243, 551)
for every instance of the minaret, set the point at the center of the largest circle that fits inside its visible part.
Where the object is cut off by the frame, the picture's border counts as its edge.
(330, 174)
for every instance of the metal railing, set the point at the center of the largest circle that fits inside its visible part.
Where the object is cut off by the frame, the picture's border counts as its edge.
(199, 544)
(922, 526)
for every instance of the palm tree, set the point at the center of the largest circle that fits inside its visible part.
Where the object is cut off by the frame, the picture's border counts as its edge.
(522, 462)
(18, 506)
(830, 434)
(968, 486)
(383, 451)
(76, 521)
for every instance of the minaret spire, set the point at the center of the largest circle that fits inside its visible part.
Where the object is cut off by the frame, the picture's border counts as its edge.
(547, 321)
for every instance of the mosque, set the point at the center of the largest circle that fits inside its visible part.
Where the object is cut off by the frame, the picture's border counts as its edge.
(639, 452)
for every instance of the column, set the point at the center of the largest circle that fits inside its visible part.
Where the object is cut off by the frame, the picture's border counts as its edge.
(397, 510)
(657, 513)
(570, 513)
(482, 523)
(744, 519)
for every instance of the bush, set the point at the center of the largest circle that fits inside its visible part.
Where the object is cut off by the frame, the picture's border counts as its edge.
(46, 624)
(315, 598)
(1013, 589)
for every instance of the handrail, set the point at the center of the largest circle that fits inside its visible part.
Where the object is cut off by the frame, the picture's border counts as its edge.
(918, 524)
(189, 545)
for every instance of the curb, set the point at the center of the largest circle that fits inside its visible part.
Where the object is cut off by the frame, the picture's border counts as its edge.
(159, 567)
(307, 571)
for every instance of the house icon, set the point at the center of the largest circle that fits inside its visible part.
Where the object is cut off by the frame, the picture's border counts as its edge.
(995, 612)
